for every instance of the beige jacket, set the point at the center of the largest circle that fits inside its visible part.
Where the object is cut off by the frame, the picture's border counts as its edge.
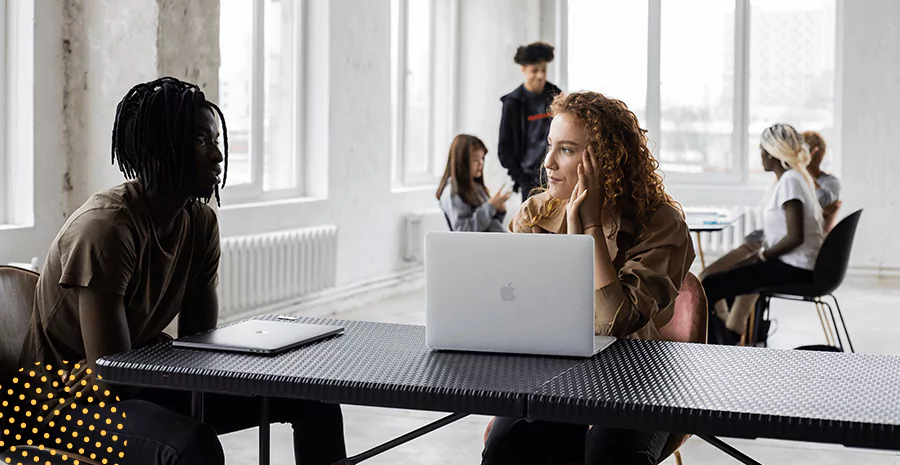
(651, 264)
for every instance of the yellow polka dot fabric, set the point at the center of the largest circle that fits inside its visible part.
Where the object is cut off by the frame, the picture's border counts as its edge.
(25, 419)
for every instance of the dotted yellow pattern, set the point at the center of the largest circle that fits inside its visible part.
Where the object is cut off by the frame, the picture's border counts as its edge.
(25, 405)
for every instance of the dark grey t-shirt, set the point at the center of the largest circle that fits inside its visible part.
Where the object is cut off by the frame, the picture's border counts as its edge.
(828, 190)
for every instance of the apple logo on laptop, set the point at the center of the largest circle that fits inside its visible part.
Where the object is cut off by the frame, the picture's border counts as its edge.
(508, 293)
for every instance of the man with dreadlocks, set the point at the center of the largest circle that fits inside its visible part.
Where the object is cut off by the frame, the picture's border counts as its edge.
(129, 261)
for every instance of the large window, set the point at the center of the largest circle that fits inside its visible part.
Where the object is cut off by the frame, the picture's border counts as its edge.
(261, 92)
(608, 50)
(423, 57)
(705, 77)
(16, 112)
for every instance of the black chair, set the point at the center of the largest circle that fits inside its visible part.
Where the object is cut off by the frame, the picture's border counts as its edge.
(828, 274)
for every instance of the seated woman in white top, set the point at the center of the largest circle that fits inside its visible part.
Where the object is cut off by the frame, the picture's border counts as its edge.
(828, 192)
(466, 202)
(792, 225)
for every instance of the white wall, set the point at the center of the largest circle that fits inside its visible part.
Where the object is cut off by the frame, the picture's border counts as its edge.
(871, 128)
(113, 47)
(491, 31)
(359, 197)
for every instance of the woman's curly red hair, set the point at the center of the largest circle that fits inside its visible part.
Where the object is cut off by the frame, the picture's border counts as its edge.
(633, 186)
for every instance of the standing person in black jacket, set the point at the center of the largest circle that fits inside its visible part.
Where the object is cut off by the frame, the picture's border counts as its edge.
(525, 122)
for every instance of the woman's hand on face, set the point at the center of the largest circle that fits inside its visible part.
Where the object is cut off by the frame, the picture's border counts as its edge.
(590, 209)
(498, 200)
(576, 201)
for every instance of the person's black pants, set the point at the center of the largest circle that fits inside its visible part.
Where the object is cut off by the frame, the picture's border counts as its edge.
(159, 430)
(520, 442)
(746, 280)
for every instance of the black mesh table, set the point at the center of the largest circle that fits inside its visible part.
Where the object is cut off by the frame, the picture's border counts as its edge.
(373, 364)
(851, 399)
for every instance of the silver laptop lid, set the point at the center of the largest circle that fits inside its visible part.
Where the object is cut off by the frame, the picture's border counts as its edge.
(511, 293)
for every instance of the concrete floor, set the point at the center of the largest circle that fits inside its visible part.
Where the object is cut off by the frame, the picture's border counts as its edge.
(870, 306)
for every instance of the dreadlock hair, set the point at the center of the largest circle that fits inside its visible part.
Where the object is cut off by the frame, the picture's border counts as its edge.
(154, 131)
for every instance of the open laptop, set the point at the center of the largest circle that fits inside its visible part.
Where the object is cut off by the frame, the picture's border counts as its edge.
(258, 337)
(511, 293)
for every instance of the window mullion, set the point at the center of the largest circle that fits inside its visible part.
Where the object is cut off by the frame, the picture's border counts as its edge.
(561, 37)
(453, 111)
(654, 52)
(299, 68)
(402, 71)
(740, 136)
(257, 97)
(4, 152)
(431, 80)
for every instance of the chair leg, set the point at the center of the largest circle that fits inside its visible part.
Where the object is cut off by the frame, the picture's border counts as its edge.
(834, 322)
(819, 311)
(836, 304)
(747, 338)
(759, 314)
(700, 249)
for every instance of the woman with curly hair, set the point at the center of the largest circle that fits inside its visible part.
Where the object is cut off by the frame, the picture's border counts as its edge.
(603, 181)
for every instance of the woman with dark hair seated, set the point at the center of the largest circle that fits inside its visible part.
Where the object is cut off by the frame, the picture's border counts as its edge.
(467, 204)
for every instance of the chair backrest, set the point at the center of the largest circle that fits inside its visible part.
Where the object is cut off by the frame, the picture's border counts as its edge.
(689, 323)
(831, 264)
(16, 301)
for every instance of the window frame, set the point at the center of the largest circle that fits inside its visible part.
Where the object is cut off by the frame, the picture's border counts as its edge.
(254, 190)
(5, 196)
(440, 125)
(16, 98)
(740, 137)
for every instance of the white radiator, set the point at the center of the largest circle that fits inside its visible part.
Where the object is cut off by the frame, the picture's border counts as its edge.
(417, 224)
(729, 238)
(264, 269)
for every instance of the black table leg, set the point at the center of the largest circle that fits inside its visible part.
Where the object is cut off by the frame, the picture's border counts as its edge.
(264, 438)
(722, 446)
(402, 439)
(197, 405)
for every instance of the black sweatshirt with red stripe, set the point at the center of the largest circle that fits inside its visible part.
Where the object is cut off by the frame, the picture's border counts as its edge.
(524, 126)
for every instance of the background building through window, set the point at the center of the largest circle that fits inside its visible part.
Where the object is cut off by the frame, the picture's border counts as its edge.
(705, 77)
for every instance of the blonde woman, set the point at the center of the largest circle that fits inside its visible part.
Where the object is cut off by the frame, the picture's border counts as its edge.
(792, 227)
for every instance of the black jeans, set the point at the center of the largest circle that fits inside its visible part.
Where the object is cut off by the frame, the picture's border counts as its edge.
(746, 280)
(520, 442)
(159, 430)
